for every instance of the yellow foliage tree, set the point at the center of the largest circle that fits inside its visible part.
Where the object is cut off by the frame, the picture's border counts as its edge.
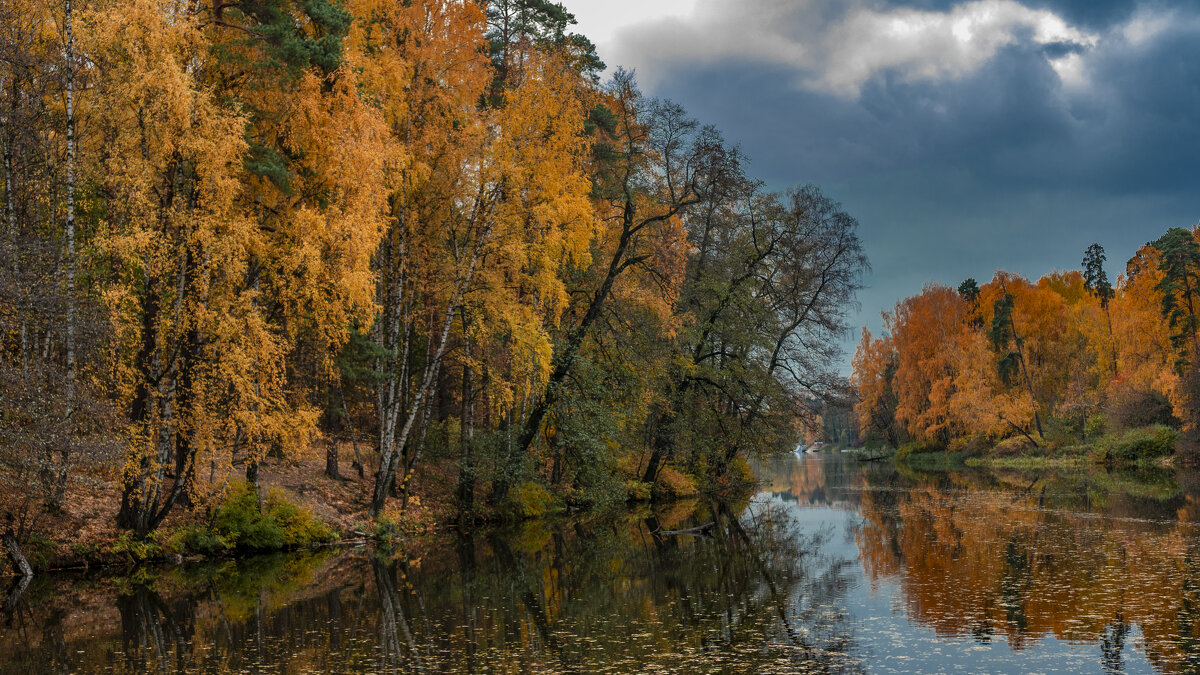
(220, 271)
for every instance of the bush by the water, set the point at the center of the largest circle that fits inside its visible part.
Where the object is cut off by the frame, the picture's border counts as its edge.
(531, 499)
(970, 445)
(1149, 442)
(243, 523)
(1014, 445)
(917, 448)
(672, 484)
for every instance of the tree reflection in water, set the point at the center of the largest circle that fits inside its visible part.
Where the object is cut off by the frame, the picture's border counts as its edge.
(984, 554)
(747, 595)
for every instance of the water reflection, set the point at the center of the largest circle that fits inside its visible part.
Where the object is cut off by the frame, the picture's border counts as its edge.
(724, 589)
(982, 556)
(836, 566)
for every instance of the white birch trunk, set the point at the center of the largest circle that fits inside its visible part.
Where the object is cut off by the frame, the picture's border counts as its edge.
(68, 417)
(389, 455)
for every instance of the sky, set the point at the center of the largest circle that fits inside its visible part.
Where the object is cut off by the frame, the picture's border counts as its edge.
(965, 137)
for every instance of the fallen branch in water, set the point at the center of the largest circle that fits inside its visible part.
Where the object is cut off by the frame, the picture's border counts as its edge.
(698, 531)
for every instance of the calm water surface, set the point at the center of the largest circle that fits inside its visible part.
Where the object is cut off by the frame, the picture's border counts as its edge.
(836, 566)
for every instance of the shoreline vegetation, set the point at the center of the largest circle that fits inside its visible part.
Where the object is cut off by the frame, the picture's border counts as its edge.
(1068, 372)
(274, 271)
(323, 514)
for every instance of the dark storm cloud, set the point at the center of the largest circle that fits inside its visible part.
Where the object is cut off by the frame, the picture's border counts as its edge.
(1058, 123)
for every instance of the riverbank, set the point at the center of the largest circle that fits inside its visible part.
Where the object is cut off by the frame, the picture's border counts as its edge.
(524, 589)
(1029, 571)
(297, 506)
(301, 507)
(1155, 446)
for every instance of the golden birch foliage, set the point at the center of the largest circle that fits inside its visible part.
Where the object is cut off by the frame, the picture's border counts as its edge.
(543, 222)
(1072, 324)
(329, 230)
(1082, 363)
(221, 274)
(1039, 318)
(505, 185)
(319, 230)
(172, 157)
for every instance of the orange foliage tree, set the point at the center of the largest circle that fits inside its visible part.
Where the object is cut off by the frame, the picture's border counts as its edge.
(1001, 358)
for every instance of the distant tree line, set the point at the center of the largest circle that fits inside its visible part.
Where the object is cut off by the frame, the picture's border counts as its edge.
(1051, 362)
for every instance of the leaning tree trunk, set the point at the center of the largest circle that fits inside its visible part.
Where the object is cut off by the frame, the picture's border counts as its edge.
(16, 557)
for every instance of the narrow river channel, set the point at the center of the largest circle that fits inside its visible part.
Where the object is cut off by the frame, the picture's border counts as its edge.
(834, 566)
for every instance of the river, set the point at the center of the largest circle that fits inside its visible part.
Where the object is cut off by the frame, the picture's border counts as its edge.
(835, 566)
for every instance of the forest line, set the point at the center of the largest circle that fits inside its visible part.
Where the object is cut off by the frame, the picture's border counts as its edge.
(1069, 363)
(239, 233)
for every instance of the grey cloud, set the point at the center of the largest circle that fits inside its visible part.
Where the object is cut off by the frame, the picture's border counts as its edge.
(1003, 167)
(840, 47)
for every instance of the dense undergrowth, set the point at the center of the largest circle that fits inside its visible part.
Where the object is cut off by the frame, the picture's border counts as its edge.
(243, 522)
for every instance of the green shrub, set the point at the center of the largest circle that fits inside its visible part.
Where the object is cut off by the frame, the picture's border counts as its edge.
(300, 527)
(1138, 444)
(970, 445)
(916, 448)
(203, 540)
(244, 524)
(1063, 430)
(531, 500)
(137, 550)
(637, 491)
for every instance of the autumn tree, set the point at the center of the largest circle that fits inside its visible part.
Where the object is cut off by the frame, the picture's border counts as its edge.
(489, 206)
(517, 28)
(1147, 368)
(923, 331)
(765, 298)
(54, 406)
(981, 402)
(969, 291)
(655, 165)
(239, 235)
(1026, 330)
